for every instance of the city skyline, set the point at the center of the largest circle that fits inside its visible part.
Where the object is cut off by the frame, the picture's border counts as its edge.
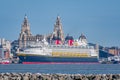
(98, 20)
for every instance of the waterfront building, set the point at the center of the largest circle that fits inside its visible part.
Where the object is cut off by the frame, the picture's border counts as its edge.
(5, 48)
(82, 40)
(14, 47)
(26, 37)
(114, 50)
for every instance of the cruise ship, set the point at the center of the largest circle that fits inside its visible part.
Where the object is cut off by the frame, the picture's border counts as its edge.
(54, 48)
(42, 52)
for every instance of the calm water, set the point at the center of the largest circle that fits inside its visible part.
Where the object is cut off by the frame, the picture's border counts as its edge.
(62, 68)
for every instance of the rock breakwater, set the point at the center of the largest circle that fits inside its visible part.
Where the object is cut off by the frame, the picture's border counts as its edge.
(39, 76)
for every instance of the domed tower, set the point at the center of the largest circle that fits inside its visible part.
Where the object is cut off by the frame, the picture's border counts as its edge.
(26, 27)
(58, 32)
(82, 40)
(25, 32)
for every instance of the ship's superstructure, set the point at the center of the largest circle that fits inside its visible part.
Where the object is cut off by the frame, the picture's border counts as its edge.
(44, 52)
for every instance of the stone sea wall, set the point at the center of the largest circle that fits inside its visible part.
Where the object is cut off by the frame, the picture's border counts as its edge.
(39, 76)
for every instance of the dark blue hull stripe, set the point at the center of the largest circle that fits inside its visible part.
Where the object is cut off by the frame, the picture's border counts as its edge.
(57, 59)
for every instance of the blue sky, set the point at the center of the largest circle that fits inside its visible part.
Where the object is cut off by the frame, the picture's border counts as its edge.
(99, 20)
